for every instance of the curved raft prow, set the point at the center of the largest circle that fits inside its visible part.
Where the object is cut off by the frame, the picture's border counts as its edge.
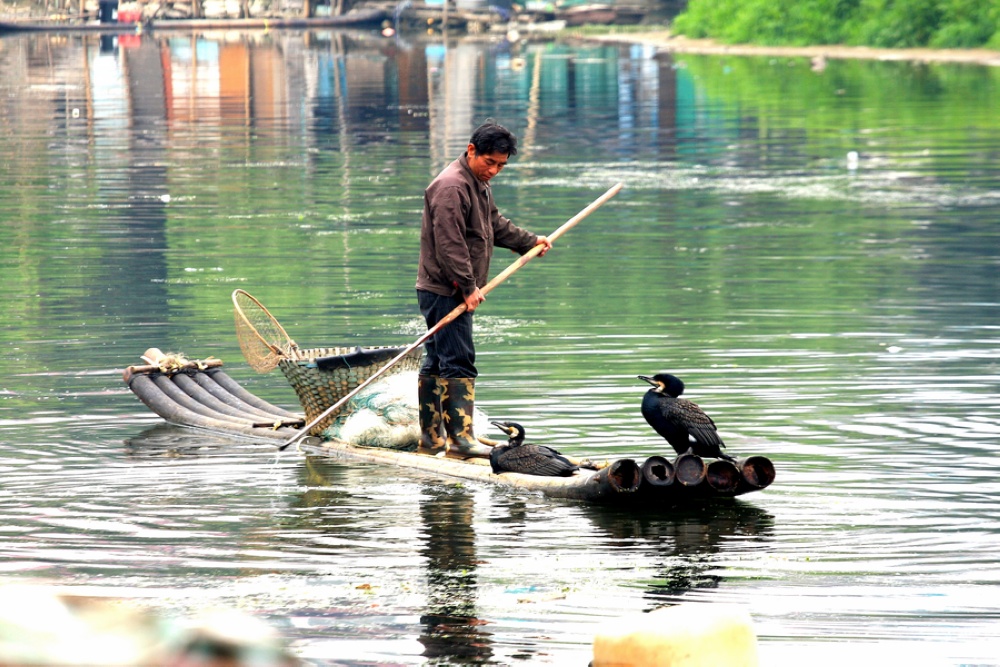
(199, 394)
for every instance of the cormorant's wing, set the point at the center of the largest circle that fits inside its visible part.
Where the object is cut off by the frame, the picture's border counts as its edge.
(699, 425)
(536, 460)
(555, 464)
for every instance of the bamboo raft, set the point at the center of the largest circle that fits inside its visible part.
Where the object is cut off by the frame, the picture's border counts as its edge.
(199, 394)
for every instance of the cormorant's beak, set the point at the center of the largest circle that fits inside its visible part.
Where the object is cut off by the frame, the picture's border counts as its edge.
(503, 427)
(657, 386)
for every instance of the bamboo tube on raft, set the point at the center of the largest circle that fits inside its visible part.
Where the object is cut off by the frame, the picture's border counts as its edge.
(164, 405)
(620, 478)
(723, 476)
(203, 397)
(175, 394)
(657, 471)
(690, 469)
(206, 396)
(205, 391)
(208, 382)
(728, 479)
(230, 385)
(757, 471)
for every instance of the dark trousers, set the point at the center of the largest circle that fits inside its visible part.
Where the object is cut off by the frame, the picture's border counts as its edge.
(449, 353)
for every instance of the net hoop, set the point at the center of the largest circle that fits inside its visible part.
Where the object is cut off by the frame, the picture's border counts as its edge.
(263, 341)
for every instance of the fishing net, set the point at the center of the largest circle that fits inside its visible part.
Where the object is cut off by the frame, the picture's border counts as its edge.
(383, 414)
(263, 341)
(321, 377)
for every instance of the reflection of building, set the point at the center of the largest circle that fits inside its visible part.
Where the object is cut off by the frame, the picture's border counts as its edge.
(452, 73)
(125, 112)
(192, 79)
(553, 90)
(360, 93)
(236, 82)
(344, 92)
(412, 88)
(365, 90)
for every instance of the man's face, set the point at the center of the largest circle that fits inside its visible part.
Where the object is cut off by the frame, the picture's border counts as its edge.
(487, 165)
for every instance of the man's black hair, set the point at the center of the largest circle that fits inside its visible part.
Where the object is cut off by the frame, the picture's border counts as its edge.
(491, 137)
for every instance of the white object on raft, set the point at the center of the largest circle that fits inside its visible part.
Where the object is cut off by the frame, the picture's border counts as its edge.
(685, 635)
(384, 414)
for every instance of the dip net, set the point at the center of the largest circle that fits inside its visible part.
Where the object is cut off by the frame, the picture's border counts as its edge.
(263, 341)
(321, 377)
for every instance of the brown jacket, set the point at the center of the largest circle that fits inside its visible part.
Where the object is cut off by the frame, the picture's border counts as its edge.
(460, 226)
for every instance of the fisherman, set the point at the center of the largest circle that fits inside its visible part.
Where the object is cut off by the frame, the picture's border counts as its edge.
(460, 226)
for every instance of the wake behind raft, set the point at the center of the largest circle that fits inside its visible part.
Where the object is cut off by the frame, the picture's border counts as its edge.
(380, 425)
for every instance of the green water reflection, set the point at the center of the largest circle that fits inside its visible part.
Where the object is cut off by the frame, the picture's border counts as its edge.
(811, 246)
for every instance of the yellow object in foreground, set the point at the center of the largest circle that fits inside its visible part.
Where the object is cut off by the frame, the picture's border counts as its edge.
(687, 635)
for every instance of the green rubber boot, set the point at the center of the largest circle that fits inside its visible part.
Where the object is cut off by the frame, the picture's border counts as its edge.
(458, 405)
(432, 440)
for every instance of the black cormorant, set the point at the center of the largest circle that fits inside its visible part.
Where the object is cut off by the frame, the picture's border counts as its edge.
(685, 426)
(515, 456)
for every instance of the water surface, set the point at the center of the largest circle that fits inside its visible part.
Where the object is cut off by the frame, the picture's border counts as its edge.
(814, 253)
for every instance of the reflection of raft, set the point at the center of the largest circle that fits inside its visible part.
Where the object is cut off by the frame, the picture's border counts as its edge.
(199, 394)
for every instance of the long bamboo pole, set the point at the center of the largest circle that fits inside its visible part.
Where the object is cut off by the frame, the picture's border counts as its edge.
(453, 315)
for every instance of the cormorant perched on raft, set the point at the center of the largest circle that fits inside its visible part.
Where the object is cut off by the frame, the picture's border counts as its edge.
(685, 426)
(515, 456)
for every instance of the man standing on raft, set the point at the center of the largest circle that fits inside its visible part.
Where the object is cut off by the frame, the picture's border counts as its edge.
(460, 226)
